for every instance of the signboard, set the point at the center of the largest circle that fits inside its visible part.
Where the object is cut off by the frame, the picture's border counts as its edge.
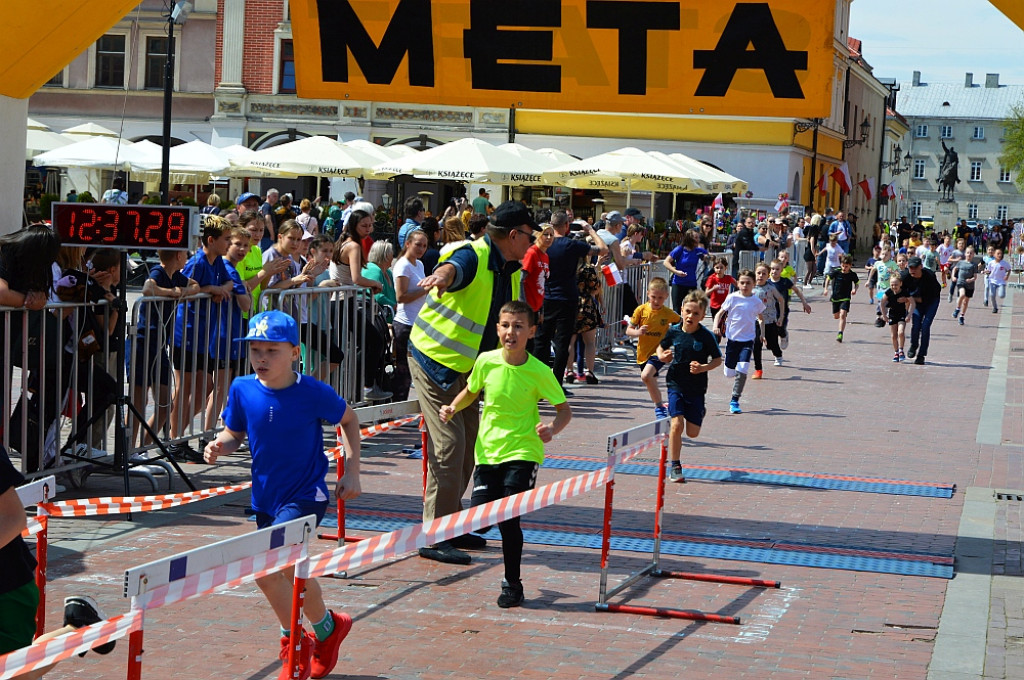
(771, 58)
(108, 225)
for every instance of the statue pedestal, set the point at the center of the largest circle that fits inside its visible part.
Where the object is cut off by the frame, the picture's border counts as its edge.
(947, 215)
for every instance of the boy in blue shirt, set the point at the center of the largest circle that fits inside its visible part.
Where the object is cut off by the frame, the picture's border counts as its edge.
(195, 331)
(510, 441)
(690, 350)
(281, 412)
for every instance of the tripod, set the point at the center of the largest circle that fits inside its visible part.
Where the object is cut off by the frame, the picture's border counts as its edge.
(123, 406)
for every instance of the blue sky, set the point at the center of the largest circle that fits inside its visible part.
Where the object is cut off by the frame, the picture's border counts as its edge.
(941, 39)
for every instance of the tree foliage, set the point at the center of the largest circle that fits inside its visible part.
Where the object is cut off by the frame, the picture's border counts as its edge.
(1012, 157)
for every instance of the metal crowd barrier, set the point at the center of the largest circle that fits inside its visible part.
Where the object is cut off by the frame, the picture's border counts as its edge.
(47, 364)
(335, 317)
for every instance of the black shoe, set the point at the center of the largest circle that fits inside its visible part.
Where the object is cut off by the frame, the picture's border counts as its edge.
(444, 552)
(570, 377)
(469, 542)
(919, 360)
(511, 595)
(191, 455)
(879, 322)
(82, 610)
(176, 451)
(912, 352)
(592, 379)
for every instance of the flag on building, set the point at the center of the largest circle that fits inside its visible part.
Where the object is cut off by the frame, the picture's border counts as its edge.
(718, 203)
(867, 185)
(781, 205)
(842, 177)
(821, 185)
(890, 189)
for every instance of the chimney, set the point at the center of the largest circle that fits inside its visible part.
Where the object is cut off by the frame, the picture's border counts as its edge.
(969, 80)
(991, 80)
(917, 78)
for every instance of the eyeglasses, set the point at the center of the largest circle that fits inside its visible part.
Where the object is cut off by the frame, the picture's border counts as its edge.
(527, 234)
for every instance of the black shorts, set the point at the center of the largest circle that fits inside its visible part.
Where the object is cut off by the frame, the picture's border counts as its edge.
(689, 406)
(192, 362)
(152, 364)
(901, 318)
(838, 305)
(966, 291)
(653, 360)
(738, 352)
(491, 482)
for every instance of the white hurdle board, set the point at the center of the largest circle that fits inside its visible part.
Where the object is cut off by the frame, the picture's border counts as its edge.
(37, 491)
(394, 411)
(637, 434)
(147, 577)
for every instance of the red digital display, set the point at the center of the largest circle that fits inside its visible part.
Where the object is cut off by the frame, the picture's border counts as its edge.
(104, 225)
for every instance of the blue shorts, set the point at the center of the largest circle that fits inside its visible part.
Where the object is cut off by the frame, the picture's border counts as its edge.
(653, 360)
(738, 352)
(689, 406)
(290, 511)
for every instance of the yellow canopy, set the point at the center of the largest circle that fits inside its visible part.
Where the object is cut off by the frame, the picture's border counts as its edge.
(50, 34)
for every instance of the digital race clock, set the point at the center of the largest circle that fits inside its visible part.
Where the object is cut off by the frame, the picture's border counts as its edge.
(106, 225)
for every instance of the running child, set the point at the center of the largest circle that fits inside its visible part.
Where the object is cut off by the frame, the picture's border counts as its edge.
(955, 258)
(995, 282)
(884, 271)
(945, 251)
(897, 308)
(843, 285)
(987, 259)
(719, 285)
(649, 323)
(511, 438)
(691, 351)
(965, 275)
(768, 330)
(281, 413)
(777, 277)
(741, 311)
(869, 271)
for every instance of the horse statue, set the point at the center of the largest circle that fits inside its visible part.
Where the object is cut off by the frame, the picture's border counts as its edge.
(949, 172)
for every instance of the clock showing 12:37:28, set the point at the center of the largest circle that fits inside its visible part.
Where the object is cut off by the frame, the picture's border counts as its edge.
(106, 225)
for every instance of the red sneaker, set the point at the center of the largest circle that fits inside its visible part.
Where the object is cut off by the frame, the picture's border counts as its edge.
(325, 654)
(307, 643)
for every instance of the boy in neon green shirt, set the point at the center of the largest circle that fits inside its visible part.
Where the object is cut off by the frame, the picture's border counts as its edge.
(511, 438)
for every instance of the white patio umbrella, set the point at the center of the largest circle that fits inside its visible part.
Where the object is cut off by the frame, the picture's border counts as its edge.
(717, 180)
(310, 156)
(638, 169)
(33, 124)
(37, 141)
(464, 160)
(101, 153)
(87, 130)
(556, 155)
(385, 153)
(193, 162)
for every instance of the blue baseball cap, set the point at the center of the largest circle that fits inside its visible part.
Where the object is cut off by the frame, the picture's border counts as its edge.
(273, 326)
(245, 197)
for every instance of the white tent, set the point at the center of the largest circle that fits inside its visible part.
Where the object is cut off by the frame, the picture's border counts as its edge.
(638, 170)
(33, 124)
(193, 162)
(384, 153)
(101, 153)
(465, 160)
(37, 141)
(315, 156)
(87, 130)
(716, 180)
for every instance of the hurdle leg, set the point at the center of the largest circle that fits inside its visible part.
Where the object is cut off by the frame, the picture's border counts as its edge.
(135, 655)
(659, 505)
(294, 640)
(668, 613)
(423, 450)
(606, 534)
(41, 573)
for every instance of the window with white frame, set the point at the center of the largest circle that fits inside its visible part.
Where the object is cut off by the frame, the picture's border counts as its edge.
(156, 58)
(1001, 212)
(915, 209)
(946, 132)
(110, 60)
(979, 132)
(1004, 175)
(975, 171)
(921, 131)
(919, 168)
(972, 211)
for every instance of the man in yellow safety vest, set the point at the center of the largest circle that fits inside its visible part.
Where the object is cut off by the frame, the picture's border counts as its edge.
(457, 322)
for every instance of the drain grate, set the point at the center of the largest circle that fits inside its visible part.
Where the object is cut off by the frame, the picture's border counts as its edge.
(1008, 495)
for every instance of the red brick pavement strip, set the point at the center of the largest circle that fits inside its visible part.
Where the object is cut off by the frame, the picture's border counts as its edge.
(838, 409)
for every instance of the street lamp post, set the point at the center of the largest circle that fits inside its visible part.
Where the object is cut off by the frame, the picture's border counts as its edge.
(177, 15)
(812, 124)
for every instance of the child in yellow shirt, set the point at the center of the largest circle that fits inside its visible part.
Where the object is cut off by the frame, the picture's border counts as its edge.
(649, 323)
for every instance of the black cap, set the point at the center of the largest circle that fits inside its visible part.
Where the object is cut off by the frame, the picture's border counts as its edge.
(512, 214)
(633, 212)
(914, 262)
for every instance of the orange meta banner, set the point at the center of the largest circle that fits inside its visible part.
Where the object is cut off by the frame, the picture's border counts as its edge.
(771, 58)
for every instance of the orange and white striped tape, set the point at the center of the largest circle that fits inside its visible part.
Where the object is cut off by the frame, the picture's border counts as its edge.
(395, 543)
(41, 654)
(117, 505)
(372, 431)
(35, 525)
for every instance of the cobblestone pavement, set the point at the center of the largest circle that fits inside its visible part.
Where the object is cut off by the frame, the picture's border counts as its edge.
(832, 409)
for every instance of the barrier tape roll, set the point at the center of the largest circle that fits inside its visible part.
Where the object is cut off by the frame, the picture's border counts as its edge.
(65, 646)
(227, 575)
(371, 431)
(395, 543)
(117, 505)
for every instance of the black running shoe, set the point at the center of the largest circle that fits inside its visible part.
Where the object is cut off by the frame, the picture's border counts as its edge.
(82, 610)
(511, 595)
